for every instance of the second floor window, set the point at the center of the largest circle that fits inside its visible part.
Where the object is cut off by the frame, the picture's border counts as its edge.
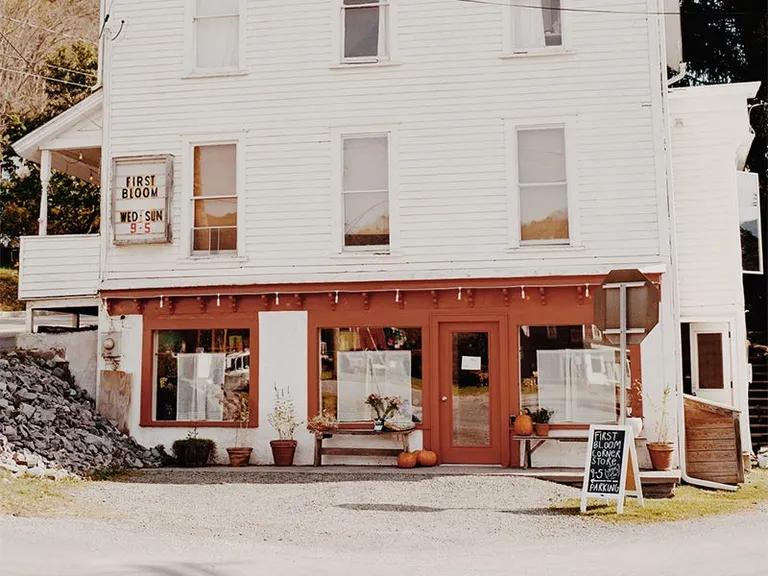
(365, 192)
(215, 199)
(542, 186)
(536, 26)
(366, 30)
(217, 35)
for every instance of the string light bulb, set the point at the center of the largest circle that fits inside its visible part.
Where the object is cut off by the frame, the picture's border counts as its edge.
(336, 299)
(522, 292)
(161, 301)
(397, 296)
(218, 300)
(277, 298)
(586, 292)
(459, 294)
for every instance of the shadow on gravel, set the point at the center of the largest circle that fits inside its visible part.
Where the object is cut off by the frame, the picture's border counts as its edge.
(431, 509)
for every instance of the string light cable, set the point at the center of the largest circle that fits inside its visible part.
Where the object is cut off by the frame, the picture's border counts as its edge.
(51, 30)
(43, 77)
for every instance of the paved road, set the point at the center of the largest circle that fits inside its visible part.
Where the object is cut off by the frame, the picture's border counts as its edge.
(467, 525)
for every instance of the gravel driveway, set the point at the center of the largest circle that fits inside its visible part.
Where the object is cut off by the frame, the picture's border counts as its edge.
(230, 523)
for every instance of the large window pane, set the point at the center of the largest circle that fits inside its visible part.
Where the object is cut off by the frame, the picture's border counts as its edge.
(366, 163)
(356, 362)
(202, 375)
(541, 155)
(366, 216)
(566, 369)
(218, 42)
(537, 25)
(365, 29)
(215, 173)
(543, 213)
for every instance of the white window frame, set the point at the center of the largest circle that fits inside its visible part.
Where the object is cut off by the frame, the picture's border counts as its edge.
(190, 48)
(339, 35)
(188, 212)
(513, 172)
(338, 136)
(512, 51)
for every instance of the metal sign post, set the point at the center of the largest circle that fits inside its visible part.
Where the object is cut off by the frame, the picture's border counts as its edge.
(622, 332)
(626, 319)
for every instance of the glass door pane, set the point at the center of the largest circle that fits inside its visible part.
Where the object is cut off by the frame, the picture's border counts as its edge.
(470, 401)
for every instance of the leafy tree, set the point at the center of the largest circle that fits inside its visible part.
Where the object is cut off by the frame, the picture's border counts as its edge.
(73, 203)
(727, 41)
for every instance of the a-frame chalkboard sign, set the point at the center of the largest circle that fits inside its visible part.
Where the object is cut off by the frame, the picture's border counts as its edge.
(612, 471)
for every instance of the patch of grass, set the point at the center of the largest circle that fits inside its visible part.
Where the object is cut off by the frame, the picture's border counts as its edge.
(688, 503)
(31, 496)
(9, 288)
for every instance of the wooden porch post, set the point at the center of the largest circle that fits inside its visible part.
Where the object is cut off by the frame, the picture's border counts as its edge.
(45, 179)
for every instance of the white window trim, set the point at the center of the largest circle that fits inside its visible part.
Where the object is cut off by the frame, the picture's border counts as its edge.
(190, 44)
(338, 135)
(511, 51)
(188, 184)
(337, 26)
(511, 128)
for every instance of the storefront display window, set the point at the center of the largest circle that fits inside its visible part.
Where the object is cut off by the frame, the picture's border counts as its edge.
(568, 370)
(202, 375)
(357, 362)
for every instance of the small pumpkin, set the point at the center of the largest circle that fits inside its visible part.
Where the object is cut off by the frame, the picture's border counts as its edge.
(523, 424)
(407, 460)
(427, 458)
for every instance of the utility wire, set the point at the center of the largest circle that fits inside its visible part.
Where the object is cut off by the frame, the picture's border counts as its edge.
(724, 14)
(51, 30)
(42, 77)
(62, 68)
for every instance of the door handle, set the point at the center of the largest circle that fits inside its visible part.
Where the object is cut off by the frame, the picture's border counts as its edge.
(444, 399)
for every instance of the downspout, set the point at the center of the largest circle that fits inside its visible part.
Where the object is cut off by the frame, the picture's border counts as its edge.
(672, 227)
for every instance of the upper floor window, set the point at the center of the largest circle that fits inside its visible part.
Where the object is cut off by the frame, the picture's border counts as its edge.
(365, 191)
(365, 25)
(536, 26)
(216, 32)
(542, 185)
(215, 199)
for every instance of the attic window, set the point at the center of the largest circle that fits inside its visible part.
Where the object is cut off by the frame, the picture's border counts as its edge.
(217, 34)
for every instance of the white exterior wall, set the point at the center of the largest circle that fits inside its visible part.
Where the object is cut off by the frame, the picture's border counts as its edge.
(64, 266)
(447, 101)
(711, 136)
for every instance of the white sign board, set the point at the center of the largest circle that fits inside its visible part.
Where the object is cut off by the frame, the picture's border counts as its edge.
(141, 198)
(612, 471)
(471, 363)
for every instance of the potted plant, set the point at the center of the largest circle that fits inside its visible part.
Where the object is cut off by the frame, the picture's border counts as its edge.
(322, 422)
(193, 452)
(385, 406)
(283, 420)
(661, 450)
(540, 419)
(635, 399)
(240, 455)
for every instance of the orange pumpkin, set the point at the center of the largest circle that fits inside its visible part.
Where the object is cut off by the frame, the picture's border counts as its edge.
(407, 460)
(427, 458)
(523, 424)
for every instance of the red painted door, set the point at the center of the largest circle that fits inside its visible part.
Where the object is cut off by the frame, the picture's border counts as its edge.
(469, 389)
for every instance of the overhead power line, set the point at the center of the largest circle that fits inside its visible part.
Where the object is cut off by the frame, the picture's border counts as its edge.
(724, 14)
(51, 30)
(42, 77)
(62, 68)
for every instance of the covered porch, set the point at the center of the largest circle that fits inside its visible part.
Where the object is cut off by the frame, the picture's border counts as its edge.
(61, 272)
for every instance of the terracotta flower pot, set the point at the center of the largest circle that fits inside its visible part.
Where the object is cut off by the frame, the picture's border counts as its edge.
(283, 451)
(661, 455)
(541, 429)
(239, 456)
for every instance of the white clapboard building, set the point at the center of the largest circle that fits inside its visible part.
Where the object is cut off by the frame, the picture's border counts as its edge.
(415, 198)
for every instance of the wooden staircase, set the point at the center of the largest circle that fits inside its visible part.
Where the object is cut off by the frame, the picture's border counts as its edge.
(712, 441)
(758, 404)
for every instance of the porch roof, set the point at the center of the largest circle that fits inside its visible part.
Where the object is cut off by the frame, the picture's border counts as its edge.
(73, 137)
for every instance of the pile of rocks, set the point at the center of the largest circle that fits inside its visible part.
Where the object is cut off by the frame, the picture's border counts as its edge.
(48, 425)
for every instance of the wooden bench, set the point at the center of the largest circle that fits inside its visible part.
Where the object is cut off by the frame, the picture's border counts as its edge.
(529, 447)
(321, 450)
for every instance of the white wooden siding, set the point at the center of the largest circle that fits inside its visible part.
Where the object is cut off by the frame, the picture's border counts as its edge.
(709, 125)
(449, 100)
(59, 266)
